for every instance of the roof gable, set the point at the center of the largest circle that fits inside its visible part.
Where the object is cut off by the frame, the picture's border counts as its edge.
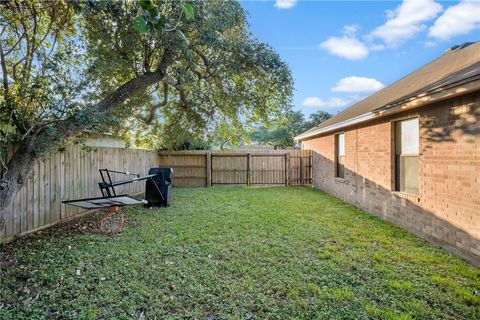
(454, 65)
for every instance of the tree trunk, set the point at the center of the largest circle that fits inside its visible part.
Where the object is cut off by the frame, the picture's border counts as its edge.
(19, 168)
(24, 158)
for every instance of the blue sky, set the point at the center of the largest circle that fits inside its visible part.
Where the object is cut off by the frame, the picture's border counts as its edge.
(342, 51)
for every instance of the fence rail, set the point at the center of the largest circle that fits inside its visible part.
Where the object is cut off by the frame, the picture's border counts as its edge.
(254, 167)
(73, 174)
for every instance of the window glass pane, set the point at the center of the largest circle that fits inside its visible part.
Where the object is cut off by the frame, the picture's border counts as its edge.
(406, 158)
(409, 141)
(409, 174)
(339, 155)
(341, 144)
(341, 167)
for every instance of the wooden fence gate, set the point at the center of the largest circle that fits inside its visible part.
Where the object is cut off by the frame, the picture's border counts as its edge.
(73, 174)
(251, 167)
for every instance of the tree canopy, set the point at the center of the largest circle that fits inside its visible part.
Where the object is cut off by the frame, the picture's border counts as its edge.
(68, 66)
(224, 79)
(280, 133)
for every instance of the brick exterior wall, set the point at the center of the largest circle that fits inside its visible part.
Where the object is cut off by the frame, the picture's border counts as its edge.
(447, 208)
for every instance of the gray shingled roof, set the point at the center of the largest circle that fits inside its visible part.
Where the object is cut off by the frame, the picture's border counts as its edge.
(456, 64)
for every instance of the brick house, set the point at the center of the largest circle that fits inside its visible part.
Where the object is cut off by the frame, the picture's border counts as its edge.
(410, 153)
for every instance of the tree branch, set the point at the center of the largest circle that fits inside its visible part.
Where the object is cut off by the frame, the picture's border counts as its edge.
(136, 85)
(205, 62)
(155, 107)
(27, 154)
(15, 45)
(4, 68)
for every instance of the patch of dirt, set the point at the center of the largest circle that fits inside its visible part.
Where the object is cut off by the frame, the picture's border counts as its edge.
(85, 225)
(89, 224)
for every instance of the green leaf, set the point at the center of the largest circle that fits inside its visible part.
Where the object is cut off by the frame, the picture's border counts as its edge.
(188, 11)
(159, 22)
(148, 5)
(140, 24)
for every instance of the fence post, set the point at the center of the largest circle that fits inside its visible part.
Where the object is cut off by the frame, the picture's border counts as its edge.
(311, 167)
(208, 159)
(248, 169)
(301, 170)
(287, 168)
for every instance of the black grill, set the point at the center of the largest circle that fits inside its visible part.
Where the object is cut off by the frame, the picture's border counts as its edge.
(158, 188)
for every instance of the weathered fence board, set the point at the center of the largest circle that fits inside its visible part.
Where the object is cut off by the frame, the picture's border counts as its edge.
(267, 169)
(69, 175)
(73, 174)
(244, 167)
(189, 169)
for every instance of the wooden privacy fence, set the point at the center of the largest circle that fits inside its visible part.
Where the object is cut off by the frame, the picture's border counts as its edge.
(251, 167)
(71, 174)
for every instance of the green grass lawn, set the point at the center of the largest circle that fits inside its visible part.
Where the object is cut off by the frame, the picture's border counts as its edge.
(237, 253)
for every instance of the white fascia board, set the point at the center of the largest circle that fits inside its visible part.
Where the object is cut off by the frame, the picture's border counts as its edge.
(466, 86)
(339, 125)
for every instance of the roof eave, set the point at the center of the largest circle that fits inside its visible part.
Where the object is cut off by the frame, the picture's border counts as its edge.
(453, 90)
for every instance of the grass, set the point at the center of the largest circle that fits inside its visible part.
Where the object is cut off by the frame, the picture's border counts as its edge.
(237, 253)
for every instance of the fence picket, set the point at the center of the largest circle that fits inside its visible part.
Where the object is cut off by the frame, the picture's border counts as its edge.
(73, 174)
(263, 167)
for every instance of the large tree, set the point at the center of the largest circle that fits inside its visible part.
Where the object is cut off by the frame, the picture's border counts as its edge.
(222, 82)
(68, 66)
(316, 118)
(281, 131)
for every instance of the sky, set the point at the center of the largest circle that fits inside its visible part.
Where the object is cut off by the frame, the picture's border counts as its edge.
(339, 52)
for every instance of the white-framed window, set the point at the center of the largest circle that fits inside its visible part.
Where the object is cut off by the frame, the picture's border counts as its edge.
(340, 155)
(407, 148)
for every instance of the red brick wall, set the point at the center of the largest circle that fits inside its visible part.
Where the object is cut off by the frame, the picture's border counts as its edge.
(447, 208)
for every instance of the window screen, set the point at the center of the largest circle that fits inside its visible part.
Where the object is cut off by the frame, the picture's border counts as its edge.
(406, 155)
(340, 155)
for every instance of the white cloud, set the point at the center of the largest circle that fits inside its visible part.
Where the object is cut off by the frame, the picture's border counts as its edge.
(376, 47)
(456, 20)
(285, 4)
(332, 103)
(406, 21)
(350, 29)
(355, 84)
(430, 44)
(347, 46)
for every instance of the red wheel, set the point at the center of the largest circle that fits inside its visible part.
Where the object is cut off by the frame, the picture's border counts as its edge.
(112, 221)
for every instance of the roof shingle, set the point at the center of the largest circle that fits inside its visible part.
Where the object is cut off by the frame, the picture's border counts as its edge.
(454, 65)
